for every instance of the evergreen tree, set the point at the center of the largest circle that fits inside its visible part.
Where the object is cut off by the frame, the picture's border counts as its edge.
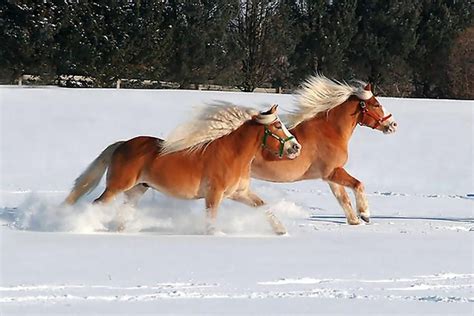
(109, 42)
(386, 36)
(78, 40)
(339, 26)
(441, 21)
(306, 22)
(461, 66)
(27, 35)
(196, 30)
(403, 46)
(134, 40)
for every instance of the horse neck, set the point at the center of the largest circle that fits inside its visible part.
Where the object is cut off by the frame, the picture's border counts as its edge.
(343, 118)
(246, 140)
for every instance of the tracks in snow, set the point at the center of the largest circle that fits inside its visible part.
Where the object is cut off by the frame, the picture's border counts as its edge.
(468, 196)
(439, 288)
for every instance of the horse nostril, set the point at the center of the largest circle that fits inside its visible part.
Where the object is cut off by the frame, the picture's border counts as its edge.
(296, 147)
(394, 124)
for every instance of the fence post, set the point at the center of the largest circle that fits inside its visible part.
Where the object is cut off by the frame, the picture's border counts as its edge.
(119, 81)
(20, 80)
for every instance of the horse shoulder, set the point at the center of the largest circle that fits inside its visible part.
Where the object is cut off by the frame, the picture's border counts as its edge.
(321, 153)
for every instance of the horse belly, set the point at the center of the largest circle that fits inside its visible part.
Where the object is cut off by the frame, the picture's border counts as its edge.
(173, 179)
(280, 171)
(177, 191)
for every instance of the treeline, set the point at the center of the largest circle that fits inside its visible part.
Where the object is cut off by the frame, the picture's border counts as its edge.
(405, 47)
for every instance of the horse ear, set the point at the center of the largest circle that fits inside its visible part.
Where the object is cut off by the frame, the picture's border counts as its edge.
(273, 108)
(368, 87)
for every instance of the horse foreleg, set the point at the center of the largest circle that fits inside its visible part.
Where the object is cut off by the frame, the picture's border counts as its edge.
(213, 200)
(248, 198)
(275, 223)
(251, 199)
(340, 176)
(344, 201)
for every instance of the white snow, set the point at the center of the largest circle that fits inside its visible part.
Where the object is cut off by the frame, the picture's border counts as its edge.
(414, 258)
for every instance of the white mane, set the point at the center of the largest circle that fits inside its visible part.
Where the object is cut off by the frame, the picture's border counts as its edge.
(319, 94)
(212, 122)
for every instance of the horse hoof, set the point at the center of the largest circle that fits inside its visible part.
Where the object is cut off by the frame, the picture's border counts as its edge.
(212, 231)
(365, 218)
(353, 222)
(281, 232)
(218, 233)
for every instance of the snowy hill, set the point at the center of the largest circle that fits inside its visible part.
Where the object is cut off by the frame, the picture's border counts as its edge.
(415, 257)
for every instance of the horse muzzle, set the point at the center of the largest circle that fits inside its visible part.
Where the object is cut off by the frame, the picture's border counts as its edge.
(390, 127)
(293, 150)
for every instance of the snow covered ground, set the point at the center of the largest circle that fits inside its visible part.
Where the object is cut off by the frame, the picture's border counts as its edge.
(414, 258)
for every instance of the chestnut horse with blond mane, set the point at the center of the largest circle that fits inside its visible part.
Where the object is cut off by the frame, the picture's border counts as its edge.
(208, 158)
(326, 116)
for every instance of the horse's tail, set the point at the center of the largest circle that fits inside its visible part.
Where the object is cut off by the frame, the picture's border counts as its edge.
(90, 178)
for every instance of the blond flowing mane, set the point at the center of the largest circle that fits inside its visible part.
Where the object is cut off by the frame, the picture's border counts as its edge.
(319, 94)
(212, 122)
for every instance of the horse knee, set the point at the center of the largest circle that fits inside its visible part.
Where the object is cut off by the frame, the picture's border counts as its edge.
(359, 186)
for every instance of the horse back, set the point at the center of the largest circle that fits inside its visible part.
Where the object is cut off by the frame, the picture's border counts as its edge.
(132, 156)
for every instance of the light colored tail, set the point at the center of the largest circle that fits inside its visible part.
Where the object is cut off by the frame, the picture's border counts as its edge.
(90, 178)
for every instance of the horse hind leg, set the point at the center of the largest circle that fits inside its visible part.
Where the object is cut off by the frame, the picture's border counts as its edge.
(116, 185)
(133, 195)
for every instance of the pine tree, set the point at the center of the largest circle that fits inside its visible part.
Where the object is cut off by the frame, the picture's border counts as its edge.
(27, 35)
(196, 30)
(461, 66)
(338, 28)
(386, 37)
(441, 21)
(306, 22)
(79, 40)
(134, 45)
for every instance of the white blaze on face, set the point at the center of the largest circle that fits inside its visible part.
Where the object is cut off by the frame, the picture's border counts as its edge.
(291, 148)
(390, 126)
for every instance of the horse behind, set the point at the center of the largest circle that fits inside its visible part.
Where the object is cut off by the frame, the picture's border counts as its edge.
(326, 116)
(208, 158)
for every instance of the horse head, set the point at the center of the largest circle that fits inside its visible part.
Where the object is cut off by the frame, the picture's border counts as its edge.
(373, 114)
(277, 140)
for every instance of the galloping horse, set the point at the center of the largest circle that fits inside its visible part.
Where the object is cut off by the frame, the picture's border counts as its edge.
(326, 116)
(208, 158)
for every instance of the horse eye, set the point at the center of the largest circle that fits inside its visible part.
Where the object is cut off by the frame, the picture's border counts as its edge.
(278, 125)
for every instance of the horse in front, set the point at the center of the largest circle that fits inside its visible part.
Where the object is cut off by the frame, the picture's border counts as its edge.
(326, 117)
(210, 158)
